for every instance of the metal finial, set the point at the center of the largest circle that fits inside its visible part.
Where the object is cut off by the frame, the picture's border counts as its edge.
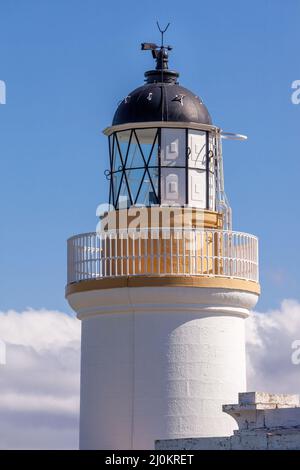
(162, 32)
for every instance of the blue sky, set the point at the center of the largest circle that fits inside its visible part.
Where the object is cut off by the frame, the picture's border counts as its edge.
(66, 65)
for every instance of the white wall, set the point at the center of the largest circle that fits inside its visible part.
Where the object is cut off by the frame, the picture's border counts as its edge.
(160, 365)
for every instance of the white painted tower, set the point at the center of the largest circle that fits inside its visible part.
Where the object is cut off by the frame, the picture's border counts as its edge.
(164, 286)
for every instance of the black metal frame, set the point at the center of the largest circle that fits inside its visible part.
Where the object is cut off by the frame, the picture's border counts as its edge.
(114, 141)
(207, 170)
(187, 156)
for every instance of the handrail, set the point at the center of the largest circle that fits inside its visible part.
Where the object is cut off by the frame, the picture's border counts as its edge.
(163, 251)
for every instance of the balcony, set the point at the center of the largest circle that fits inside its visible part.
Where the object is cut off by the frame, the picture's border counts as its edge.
(163, 252)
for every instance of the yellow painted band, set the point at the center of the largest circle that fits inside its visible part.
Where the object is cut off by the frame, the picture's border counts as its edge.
(163, 281)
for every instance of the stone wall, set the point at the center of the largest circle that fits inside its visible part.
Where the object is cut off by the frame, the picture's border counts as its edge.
(265, 422)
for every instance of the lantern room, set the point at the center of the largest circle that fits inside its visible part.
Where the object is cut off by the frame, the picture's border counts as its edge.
(162, 144)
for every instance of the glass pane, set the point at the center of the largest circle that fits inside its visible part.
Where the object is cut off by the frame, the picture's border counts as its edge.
(116, 179)
(153, 159)
(173, 186)
(212, 157)
(146, 139)
(123, 139)
(117, 157)
(110, 146)
(110, 199)
(173, 147)
(134, 178)
(148, 194)
(146, 136)
(197, 149)
(135, 158)
(153, 195)
(124, 197)
(197, 188)
(212, 191)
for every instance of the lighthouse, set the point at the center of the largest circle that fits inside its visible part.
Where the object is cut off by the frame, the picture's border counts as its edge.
(164, 286)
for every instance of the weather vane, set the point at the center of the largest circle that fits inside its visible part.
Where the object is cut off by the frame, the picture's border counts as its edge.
(162, 32)
(160, 53)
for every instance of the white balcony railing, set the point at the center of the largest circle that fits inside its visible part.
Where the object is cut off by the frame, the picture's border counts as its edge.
(162, 252)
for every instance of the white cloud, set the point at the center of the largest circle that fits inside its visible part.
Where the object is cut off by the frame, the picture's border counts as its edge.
(39, 385)
(269, 349)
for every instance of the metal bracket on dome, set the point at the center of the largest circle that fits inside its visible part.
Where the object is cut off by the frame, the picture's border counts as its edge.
(233, 136)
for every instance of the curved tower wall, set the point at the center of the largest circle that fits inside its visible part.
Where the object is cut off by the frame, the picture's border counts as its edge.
(159, 363)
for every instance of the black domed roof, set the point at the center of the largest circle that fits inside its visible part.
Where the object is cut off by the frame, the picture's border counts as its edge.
(161, 99)
(161, 102)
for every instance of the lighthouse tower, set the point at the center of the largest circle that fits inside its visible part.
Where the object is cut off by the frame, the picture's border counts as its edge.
(164, 286)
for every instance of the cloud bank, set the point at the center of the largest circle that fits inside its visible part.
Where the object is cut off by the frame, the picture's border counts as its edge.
(39, 385)
(269, 349)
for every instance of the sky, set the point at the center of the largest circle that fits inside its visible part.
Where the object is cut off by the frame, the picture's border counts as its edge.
(66, 64)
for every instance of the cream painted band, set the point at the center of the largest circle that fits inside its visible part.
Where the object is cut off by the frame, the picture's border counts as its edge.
(163, 281)
(161, 216)
(142, 125)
